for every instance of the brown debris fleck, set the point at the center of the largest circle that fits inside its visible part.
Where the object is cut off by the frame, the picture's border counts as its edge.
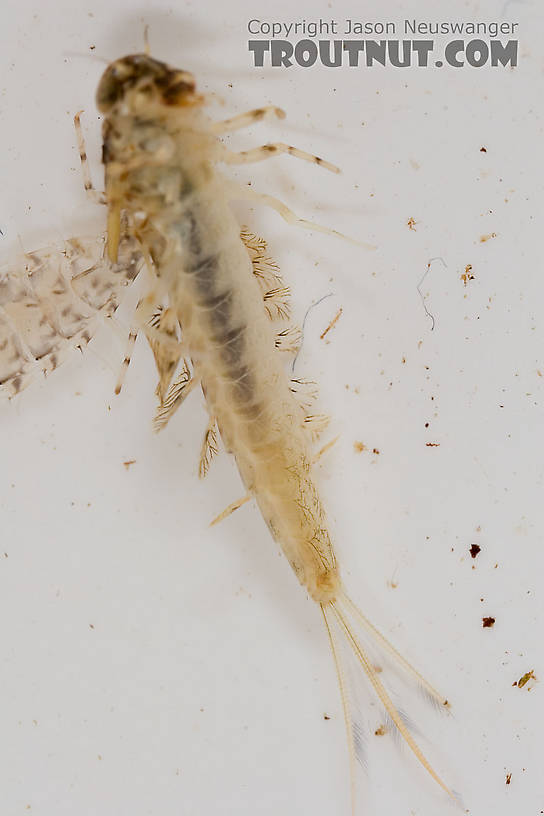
(332, 323)
(508, 778)
(530, 675)
(129, 462)
(376, 451)
(474, 550)
(359, 447)
(326, 717)
(432, 444)
(411, 224)
(484, 238)
(488, 622)
(467, 274)
(483, 150)
(380, 731)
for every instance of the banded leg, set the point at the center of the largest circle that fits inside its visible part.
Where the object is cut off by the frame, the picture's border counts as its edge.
(131, 341)
(162, 338)
(263, 152)
(246, 119)
(92, 193)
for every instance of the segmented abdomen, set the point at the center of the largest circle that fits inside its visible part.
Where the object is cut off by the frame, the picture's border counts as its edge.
(231, 341)
(52, 300)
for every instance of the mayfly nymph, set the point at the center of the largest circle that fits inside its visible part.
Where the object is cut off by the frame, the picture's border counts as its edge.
(214, 314)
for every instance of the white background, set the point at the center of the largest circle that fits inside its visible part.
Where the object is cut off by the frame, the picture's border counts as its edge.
(151, 665)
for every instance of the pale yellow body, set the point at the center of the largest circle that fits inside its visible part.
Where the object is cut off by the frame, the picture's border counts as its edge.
(160, 152)
(177, 205)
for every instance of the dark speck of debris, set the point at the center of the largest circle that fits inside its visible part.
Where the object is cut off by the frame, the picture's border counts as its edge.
(375, 450)
(483, 150)
(508, 778)
(91, 626)
(432, 444)
(474, 550)
(467, 274)
(530, 675)
(487, 623)
(326, 717)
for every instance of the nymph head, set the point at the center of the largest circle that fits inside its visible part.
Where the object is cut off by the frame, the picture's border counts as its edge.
(139, 81)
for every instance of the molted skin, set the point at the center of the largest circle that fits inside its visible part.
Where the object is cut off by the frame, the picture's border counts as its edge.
(52, 301)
